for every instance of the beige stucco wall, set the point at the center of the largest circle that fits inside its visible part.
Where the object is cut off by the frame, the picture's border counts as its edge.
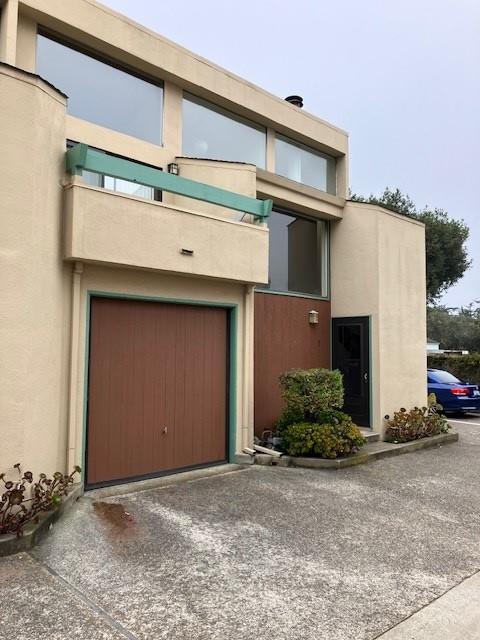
(42, 334)
(34, 282)
(378, 270)
(299, 197)
(174, 288)
(377, 257)
(233, 176)
(116, 229)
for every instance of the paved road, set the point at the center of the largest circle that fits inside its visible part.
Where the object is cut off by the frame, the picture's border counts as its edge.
(265, 553)
(464, 419)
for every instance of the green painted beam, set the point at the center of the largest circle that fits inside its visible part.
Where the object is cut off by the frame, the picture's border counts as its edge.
(81, 157)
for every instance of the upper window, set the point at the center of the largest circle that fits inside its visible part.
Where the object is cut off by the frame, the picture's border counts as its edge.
(302, 164)
(298, 254)
(101, 93)
(209, 132)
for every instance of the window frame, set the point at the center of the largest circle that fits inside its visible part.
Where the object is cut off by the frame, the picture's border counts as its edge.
(325, 260)
(79, 47)
(231, 115)
(157, 193)
(314, 152)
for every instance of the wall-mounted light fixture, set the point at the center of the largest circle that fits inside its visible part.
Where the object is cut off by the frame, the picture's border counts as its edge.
(186, 252)
(173, 168)
(313, 317)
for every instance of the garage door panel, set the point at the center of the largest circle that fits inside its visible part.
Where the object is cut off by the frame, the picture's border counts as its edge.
(155, 366)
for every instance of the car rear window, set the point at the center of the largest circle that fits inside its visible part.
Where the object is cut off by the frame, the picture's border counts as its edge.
(443, 377)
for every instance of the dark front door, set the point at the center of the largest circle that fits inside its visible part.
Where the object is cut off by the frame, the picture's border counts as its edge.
(351, 355)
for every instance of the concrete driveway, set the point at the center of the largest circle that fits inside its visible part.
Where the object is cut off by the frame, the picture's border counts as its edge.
(260, 553)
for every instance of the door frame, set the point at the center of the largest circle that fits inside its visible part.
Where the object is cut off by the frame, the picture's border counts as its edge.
(231, 382)
(370, 359)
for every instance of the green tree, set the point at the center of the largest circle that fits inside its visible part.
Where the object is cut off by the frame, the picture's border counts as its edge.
(455, 328)
(447, 257)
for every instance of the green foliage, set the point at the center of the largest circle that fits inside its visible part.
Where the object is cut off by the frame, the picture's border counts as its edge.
(455, 328)
(332, 440)
(447, 258)
(419, 422)
(464, 367)
(311, 423)
(23, 500)
(307, 392)
(289, 416)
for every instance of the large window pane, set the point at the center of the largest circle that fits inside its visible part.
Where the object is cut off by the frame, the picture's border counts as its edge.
(211, 133)
(100, 93)
(298, 162)
(298, 259)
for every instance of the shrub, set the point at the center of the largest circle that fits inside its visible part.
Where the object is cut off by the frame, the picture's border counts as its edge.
(23, 500)
(464, 367)
(419, 422)
(289, 416)
(307, 392)
(329, 440)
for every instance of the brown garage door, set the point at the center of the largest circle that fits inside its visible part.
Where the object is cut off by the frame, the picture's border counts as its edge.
(157, 388)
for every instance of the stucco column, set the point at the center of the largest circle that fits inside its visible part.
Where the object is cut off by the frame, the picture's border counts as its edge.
(34, 316)
(270, 154)
(8, 32)
(72, 458)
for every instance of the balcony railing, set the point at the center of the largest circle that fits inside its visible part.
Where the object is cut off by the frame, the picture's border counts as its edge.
(82, 158)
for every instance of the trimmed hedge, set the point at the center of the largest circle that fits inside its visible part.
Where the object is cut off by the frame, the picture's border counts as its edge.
(464, 367)
(338, 439)
(307, 392)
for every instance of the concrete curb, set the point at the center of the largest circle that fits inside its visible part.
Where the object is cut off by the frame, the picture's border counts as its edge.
(375, 451)
(162, 481)
(372, 451)
(33, 533)
(454, 615)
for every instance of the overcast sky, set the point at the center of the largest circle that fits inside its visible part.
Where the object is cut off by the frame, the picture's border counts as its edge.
(401, 76)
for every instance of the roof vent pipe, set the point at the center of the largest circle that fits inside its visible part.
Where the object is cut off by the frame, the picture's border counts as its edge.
(296, 100)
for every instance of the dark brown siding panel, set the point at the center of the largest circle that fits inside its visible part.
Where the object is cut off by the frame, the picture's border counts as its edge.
(285, 340)
(155, 366)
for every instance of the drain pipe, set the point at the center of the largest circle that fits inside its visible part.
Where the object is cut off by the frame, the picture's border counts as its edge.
(73, 378)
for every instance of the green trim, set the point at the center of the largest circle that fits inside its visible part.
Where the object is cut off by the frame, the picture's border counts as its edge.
(81, 157)
(233, 359)
(77, 159)
(232, 385)
(85, 389)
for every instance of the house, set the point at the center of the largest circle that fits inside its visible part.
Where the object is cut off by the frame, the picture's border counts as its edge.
(433, 349)
(173, 239)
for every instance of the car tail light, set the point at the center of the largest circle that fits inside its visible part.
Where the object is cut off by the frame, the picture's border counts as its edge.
(458, 391)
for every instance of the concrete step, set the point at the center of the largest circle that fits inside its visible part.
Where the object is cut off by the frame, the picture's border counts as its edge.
(370, 436)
